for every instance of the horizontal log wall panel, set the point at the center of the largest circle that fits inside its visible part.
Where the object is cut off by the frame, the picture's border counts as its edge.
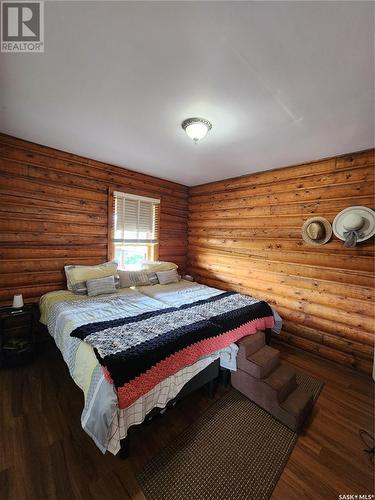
(331, 353)
(313, 182)
(53, 214)
(36, 265)
(54, 211)
(41, 239)
(255, 262)
(344, 345)
(282, 244)
(299, 196)
(245, 235)
(50, 189)
(350, 161)
(323, 287)
(26, 225)
(314, 208)
(322, 259)
(108, 175)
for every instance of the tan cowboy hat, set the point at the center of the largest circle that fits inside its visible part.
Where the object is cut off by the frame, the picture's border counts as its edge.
(354, 224)
(316, 231)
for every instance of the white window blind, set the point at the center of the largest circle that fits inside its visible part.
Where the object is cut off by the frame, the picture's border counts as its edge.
(136, 219)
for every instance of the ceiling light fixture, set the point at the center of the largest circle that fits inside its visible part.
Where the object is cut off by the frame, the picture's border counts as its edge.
(196, 128)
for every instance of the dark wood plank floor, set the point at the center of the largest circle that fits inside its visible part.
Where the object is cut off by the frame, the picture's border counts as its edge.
(44, 454)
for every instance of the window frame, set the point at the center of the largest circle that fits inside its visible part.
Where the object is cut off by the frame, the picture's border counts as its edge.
(153, 248)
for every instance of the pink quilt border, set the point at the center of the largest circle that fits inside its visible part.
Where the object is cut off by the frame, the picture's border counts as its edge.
(141, 385)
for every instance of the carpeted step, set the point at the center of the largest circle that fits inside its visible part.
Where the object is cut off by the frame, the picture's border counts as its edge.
(250, 344)
(283, 381)
(261, 363)
(298, 404)
(266, 392)
(292, 412)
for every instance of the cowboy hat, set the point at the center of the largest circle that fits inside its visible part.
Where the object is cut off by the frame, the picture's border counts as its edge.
(354, 224)
(316, 231)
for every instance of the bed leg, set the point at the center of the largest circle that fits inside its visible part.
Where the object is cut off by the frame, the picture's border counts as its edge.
(211, 389)
(268, 335)
(124, 447)
(224, 376)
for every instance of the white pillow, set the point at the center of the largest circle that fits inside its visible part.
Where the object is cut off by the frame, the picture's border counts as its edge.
(167, 277)
(158, 266)
(133, 278)
(77, 275)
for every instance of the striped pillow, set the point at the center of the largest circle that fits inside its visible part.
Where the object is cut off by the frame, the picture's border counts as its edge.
(100, 286)
(153, 278)
(166, 277)
(133, 278)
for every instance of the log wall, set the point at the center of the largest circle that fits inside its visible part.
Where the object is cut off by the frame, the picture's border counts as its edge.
(245, 235)
(54, 211)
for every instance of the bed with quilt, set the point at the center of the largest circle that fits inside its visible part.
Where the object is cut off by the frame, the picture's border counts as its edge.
(133, 340)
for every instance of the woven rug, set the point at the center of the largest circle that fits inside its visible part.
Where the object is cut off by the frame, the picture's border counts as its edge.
(234, 451)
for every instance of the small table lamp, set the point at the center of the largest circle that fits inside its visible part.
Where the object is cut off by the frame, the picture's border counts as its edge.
(17, 301)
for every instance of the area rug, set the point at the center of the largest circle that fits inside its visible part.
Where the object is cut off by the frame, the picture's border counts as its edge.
(234, 451)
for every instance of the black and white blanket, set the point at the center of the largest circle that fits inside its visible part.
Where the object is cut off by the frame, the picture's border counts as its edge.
(129, 347)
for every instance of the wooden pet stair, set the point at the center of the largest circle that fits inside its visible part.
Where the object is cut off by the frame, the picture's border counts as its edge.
(270, 384)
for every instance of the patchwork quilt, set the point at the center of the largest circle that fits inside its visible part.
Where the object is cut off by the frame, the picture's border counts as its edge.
(138, 352)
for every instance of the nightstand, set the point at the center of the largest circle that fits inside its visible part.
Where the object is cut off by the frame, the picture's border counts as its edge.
(17, 330)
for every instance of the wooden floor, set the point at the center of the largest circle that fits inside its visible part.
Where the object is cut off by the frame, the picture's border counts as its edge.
(44, 454)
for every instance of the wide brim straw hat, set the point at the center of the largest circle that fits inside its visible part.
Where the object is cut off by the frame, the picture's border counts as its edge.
(364, 232)
(326, 231)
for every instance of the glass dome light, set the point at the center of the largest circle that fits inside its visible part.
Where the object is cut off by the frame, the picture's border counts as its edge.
(196, 128)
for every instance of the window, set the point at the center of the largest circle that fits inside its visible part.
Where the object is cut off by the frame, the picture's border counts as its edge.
(135, 229)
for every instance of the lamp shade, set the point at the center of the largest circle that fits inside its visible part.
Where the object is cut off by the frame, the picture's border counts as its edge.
(17, 301)
(196, 128)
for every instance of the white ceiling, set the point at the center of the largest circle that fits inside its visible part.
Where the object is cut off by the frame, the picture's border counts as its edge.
(281, 82)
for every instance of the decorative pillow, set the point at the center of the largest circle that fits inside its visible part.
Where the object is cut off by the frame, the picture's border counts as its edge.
(153, 278)
(76, 276)
(99, 286)
(133, 278)
(158, 266)
(166, 277)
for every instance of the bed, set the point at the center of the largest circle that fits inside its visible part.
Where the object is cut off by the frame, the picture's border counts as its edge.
(79, 323)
